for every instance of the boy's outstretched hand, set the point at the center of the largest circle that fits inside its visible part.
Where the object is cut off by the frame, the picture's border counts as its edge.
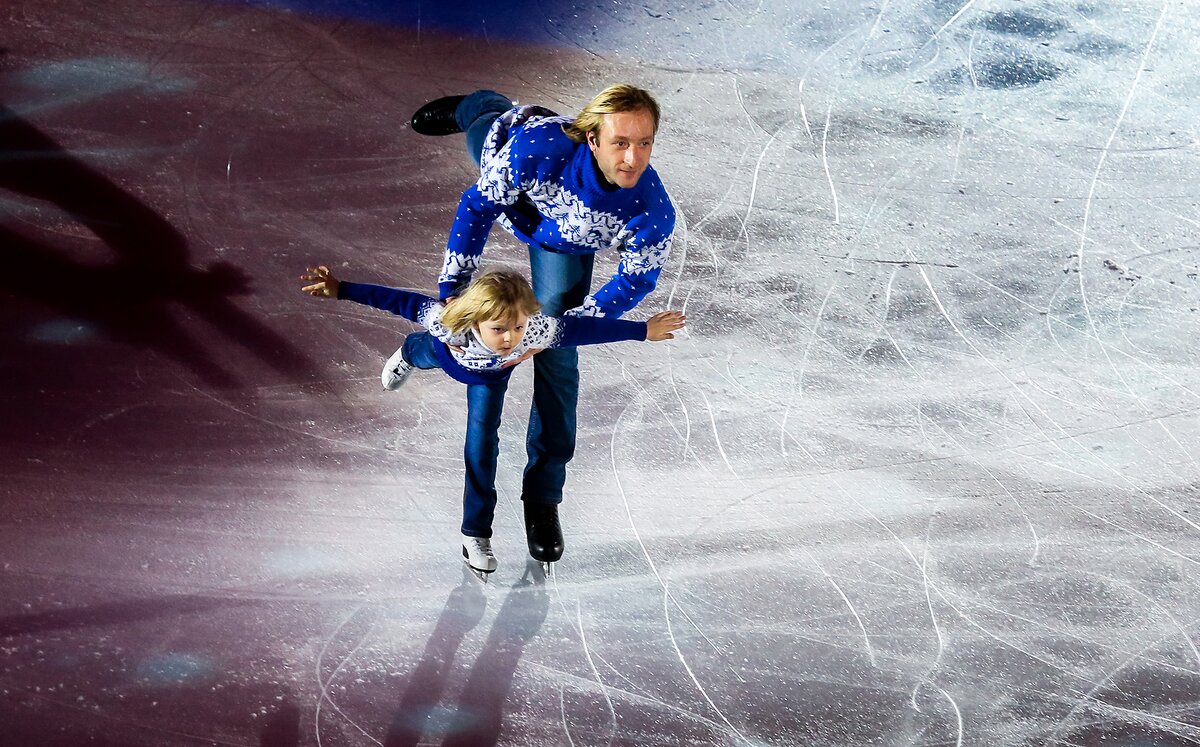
(660, 326)
(322, 283)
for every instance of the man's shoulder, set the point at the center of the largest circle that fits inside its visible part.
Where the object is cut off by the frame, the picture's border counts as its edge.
(654, 193)
(542, 134)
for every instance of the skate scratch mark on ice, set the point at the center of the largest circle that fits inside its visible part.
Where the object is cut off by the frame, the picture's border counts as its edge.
(1089, 696)
(667, 599)
(636, 383)
(798, 376)
(971, 60)
(871, 31)
(825, 163)
(324, 685)
(962, 131)
(958, 720)
(280, 426)
(687, 417)
(587, 652)
(1009, 644)
(803, 114)
(667, 595)
(1039, 624)
(1088, 209)
(1166, 613)
(753, 191)
(849, 605)
(1054, 319)
(867, 219)
(562, 711)
(101, 419)
(1088, 453)
(1157, 418)
(937, 629)
(1087, 206)
(632, 694)
(964, 451)
(887, 305)
(948, 23)
(712, 419)
(680, 238)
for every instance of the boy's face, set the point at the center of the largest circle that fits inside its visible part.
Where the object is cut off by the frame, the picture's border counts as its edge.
(502, 335)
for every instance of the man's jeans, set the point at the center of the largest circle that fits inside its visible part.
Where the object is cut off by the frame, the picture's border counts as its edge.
(560, 282)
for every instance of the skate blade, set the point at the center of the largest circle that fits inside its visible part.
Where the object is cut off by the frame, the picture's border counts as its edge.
(481, 575)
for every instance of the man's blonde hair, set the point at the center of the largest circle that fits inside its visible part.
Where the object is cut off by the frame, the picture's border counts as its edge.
(497, 294)
(620, 97)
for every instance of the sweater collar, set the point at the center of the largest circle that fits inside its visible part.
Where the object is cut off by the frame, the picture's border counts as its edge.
(588, 175)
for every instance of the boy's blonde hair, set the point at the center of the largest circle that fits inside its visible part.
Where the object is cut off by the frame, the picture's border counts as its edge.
(497, 294)
(620, 97)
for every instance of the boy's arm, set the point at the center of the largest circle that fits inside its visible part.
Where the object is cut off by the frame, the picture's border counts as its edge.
(569, 332)
(415, 307)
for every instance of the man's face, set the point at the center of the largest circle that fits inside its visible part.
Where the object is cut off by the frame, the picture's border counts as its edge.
(622, 147)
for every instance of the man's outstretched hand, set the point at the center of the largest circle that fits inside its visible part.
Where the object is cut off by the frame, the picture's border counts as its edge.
(660, 326)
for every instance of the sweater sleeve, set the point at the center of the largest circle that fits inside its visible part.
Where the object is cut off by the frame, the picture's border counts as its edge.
(642, 259)
(479, 207)
(572, 332)
(415, 307)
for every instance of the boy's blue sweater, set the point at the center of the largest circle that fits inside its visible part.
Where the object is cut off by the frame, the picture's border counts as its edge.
(478, 364)
(545, 189)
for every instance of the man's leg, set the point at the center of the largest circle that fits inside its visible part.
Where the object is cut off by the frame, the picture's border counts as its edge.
(561, 282)
(475, 115)
(485, 404)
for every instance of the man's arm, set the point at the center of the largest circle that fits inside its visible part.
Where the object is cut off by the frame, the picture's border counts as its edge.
(642, 260)
(480, 205)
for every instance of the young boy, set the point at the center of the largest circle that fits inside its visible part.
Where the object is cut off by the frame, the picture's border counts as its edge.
(477, 338)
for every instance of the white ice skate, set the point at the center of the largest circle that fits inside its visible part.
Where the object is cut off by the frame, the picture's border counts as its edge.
(395, 371)
(477, 552)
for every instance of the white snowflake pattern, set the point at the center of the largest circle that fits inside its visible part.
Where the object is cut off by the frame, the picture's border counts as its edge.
(587, 308)
(638, 260)
(577, 223)
(456, 266)
(541, 332)
(496, 182)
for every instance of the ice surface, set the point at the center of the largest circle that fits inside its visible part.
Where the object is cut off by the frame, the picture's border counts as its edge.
(923, 471)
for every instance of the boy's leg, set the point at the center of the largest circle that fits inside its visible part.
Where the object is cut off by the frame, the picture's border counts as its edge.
(485, 404)
(475, 115)
(561, 282)
(418, 350)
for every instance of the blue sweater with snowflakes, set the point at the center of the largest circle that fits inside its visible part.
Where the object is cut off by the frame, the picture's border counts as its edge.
(545, 189)
(478, 364)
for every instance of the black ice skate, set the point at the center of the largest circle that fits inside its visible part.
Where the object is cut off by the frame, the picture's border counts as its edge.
(437, 117)
(543, 533)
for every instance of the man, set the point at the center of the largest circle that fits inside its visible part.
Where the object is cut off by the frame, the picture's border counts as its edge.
(567, 188)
